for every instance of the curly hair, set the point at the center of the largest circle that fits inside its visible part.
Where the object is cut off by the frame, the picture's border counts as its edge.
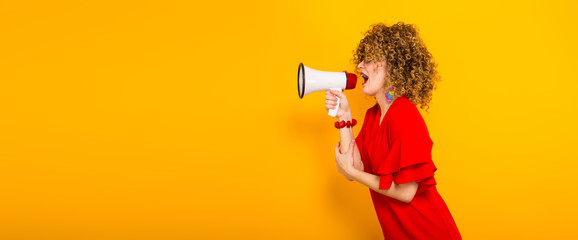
(411, 69)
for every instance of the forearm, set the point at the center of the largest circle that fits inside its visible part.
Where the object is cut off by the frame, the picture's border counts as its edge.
(346, 134)
(402, 192)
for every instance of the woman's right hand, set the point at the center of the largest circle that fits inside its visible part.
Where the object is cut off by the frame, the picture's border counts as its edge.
(331, 102)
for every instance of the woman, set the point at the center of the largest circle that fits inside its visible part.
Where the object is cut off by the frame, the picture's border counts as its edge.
(392, 153)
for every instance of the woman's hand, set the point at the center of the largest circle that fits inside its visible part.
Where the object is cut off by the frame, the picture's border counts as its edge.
(345, 160)
(331, 102)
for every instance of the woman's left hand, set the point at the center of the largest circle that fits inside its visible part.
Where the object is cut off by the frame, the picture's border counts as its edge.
(345, 160)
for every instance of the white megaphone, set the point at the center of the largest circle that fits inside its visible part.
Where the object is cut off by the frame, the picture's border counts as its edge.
(310, 80)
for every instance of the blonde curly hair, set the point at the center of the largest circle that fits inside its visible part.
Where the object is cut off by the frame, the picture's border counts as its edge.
(411, 69)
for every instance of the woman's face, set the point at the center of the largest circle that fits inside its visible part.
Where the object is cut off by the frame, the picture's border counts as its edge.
(374, 74)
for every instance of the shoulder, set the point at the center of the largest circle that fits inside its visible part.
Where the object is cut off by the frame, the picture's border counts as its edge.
(405, 118)
(403, 109)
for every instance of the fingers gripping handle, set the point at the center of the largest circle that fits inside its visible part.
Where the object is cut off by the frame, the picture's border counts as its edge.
(333, 112)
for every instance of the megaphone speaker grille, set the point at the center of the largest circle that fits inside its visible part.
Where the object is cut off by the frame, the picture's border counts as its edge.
(301, 80)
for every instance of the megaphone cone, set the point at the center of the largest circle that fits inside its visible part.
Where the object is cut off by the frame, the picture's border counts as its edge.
(310, 80)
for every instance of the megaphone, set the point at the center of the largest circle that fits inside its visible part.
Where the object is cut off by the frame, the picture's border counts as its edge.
(310, 80)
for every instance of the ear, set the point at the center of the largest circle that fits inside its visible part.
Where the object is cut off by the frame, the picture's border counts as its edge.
(381, 64)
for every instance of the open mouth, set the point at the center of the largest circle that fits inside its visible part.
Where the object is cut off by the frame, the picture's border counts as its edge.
(365, 77)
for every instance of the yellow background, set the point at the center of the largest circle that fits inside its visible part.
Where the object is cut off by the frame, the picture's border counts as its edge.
(181, 119)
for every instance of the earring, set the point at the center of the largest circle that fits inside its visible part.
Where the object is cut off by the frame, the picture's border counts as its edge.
(389, 95)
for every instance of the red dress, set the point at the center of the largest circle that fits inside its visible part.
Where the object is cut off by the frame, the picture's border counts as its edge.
(400, 150)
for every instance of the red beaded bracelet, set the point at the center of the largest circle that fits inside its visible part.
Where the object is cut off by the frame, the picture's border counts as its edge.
(347, 124)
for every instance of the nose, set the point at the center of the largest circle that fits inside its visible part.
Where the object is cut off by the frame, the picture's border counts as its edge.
(360, 65)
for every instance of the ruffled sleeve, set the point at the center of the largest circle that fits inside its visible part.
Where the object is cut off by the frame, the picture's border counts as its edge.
(409, 157)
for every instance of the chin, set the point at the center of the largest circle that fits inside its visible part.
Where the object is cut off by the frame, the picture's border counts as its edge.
(368, 92)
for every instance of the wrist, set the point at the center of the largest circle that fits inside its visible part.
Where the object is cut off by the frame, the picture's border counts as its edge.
(345, 117)
(345, 124)
(353, 174)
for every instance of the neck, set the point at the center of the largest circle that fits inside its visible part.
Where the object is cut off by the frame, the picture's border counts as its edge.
(383, 105)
